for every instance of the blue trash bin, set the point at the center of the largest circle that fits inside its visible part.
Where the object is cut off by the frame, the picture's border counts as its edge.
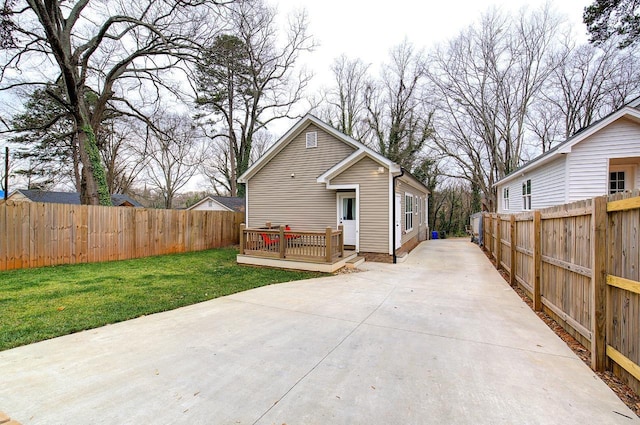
(434, 234)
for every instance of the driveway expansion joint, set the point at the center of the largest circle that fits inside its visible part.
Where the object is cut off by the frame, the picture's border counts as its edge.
(325, 356)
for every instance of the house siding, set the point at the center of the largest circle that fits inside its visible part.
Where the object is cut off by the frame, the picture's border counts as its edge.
(419, 229)
(547, 188)
(300, 202)
(373, 203)
(588, 161)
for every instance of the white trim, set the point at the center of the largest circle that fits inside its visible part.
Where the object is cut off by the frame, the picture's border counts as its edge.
(299, 126)
(405, 212)
(566, 146)
(349, 161)
(355, 187)
(246, 204)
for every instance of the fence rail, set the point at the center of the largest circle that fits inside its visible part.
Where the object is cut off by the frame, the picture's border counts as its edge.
(580, 263)
(39, 234)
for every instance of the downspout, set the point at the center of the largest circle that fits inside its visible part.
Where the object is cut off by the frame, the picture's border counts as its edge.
(394, 213)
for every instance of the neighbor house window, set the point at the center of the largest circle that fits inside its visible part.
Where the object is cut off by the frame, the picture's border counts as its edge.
(616, 182)
(526, 195)
(312, 139)
(505, 198)
(408, 212)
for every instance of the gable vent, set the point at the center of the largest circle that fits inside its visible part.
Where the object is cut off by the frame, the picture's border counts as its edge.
(312, 139)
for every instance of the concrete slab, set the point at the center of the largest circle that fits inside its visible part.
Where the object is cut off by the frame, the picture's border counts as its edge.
(440, 338)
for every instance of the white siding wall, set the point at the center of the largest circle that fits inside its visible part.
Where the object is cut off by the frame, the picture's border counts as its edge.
(588, 162)
(547, 188)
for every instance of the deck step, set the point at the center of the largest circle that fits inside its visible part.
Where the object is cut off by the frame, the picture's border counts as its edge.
(354, 262)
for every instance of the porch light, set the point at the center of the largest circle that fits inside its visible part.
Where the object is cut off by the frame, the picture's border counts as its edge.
(293, 175)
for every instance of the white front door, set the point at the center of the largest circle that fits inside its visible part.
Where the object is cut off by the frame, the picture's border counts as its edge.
(398, 223)
(347, 213)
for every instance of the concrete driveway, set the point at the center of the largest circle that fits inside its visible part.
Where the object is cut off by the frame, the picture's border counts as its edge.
(439, 339)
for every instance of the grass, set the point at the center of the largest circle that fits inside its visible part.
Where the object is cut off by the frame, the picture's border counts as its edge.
(38, 304)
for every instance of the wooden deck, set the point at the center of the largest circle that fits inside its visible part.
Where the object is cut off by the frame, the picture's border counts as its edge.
(293, 249)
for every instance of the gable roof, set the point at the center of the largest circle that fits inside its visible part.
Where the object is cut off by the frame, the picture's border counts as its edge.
(231, 203)
(629, 111)
(72, 198)
(360, 149)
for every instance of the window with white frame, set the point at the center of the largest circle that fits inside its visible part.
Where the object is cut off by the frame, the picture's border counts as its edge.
(616, 182)
(505, 198)
(526, 195)
(408, 212)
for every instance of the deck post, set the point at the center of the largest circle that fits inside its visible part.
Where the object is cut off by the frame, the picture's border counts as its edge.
(282, 242)
(514, 237)
(598, 283)
(242, 227)
(341, 240)
(327, 242)
(537, 260)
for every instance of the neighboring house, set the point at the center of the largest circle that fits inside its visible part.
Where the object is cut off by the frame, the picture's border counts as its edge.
(72, 198)
(601, 159)
(219, 203)
(316, 177)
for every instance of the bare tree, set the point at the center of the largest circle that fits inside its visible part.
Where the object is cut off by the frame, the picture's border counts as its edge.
(123, 154)
(174, 154)
(344, 105)
(588, 83)
(102, 54)
(246, 78)
(484, 84)
(399, 120)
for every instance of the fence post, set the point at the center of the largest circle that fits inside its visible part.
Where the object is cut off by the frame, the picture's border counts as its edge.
(598, 283)
(512, 275)
(282, 242)
(498, 241)
(327, 243)
(491, 238)
(341, 240)
(537, 260)
(242, 227)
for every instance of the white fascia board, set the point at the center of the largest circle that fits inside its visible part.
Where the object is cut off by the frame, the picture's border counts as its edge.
(273, 150)
(340, 167)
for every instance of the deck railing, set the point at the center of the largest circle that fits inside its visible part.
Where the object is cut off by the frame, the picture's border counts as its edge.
(315, 246)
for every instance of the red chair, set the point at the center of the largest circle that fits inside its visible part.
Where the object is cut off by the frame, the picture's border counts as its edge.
(268, 241)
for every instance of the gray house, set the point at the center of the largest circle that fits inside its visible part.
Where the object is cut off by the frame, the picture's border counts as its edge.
(601, 159)
(316, 177)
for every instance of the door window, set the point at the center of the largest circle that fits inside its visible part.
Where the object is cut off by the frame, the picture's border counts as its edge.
(348, 209)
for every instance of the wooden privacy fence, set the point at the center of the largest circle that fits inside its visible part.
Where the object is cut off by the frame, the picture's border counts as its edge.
(39, 234)
(580, 264)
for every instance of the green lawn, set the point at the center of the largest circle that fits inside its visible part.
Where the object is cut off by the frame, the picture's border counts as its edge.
(37, 304)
